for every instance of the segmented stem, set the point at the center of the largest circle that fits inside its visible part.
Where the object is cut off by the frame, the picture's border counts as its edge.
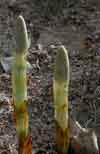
(60, 89)
(19, 85)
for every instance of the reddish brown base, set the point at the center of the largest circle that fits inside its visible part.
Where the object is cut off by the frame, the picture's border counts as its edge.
(25, 147)
(62, 140)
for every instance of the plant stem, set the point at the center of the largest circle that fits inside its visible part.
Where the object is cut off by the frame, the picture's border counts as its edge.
(60, 89)
(19, 86)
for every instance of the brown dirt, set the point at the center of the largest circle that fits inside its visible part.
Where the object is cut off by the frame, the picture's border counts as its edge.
(78, 29)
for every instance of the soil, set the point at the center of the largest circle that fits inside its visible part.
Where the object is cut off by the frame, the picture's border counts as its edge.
(78, 29)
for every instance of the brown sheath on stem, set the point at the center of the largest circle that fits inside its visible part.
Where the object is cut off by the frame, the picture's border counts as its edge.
(62, 140)
(25, 147)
